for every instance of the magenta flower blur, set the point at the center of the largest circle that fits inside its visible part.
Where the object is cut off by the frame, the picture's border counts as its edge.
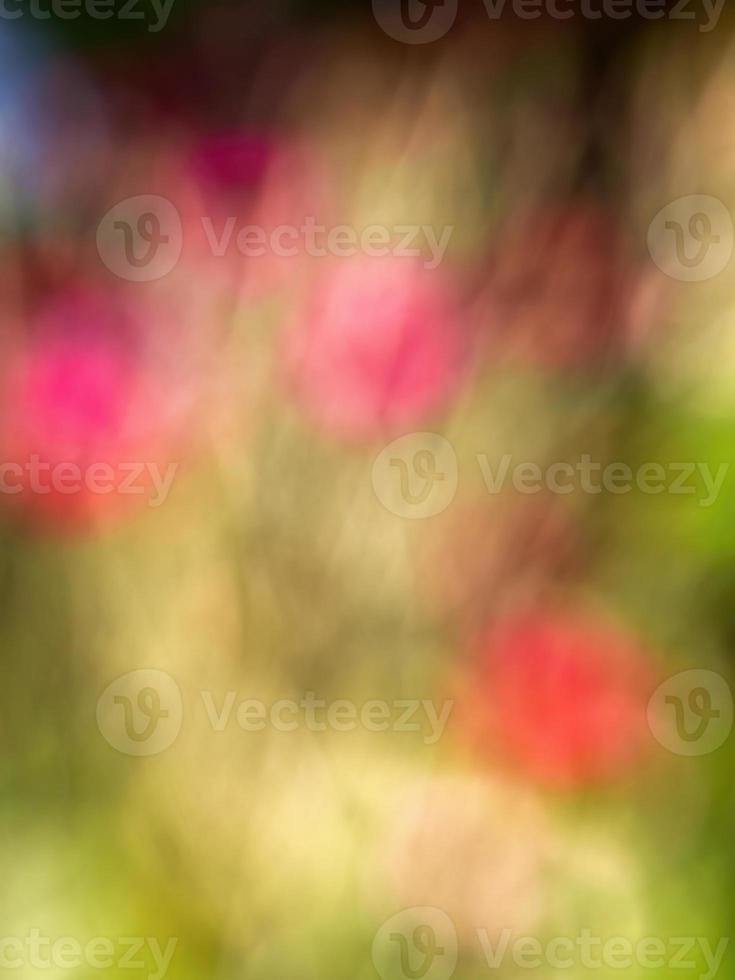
(378, 347)
(81, 411)
(232, 162)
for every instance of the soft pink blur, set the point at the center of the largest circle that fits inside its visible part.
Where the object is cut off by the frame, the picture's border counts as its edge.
(258, 178)
(378, 346)
(79, 391)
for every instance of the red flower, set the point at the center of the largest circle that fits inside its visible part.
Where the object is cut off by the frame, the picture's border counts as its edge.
(562, 696)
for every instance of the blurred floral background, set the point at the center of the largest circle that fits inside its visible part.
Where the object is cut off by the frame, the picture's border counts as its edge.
(497, 755)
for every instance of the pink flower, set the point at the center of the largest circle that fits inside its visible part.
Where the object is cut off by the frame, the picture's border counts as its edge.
(561, 696)
(80, 396)
(378, 347)
(258, 190)
(232, 162)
